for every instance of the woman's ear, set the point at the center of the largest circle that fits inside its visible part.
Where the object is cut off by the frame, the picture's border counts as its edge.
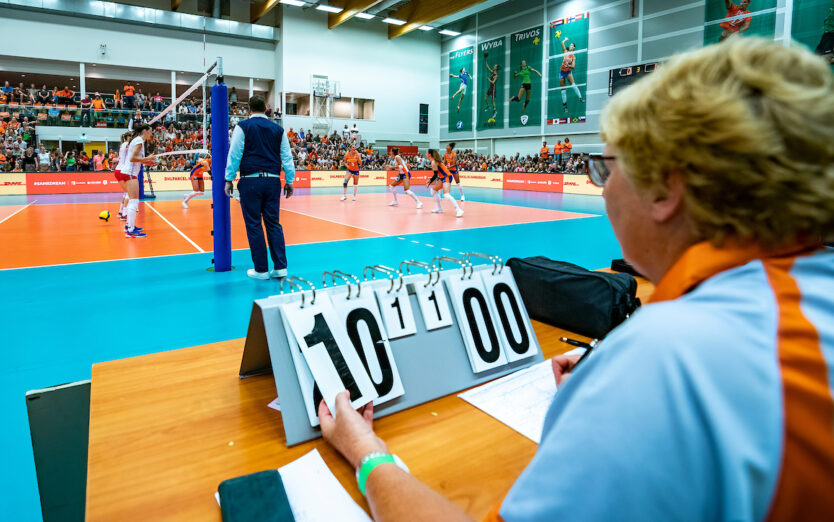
(668, 204)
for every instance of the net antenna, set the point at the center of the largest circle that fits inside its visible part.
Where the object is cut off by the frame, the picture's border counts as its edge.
(324, 91)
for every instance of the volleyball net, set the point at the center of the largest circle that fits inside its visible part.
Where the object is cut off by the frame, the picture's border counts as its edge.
(218, 147)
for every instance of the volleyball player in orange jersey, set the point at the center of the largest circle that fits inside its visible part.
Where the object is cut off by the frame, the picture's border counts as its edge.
(351, 161)
(451, 161)
(198, 184)
(441, 180)
(404, 179)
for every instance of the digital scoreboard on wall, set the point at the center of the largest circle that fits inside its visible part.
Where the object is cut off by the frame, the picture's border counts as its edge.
(622, 77)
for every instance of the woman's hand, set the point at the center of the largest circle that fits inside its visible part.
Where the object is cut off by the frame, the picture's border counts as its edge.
(350, 432)
(562, 366)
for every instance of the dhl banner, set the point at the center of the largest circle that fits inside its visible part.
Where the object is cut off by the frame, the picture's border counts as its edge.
(12, 184)
(580, 184)
(104, 181)
(482, 179)
(418, 177)
(533, 182)
(335, 178)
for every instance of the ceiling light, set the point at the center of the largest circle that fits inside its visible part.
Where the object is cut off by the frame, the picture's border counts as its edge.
(393, 21)
(329, 8)
(365, 16)
(296, 3)
(449, 33)
(426, 28)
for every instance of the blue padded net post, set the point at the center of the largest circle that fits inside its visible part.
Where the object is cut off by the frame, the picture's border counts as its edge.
(220, 201)
(141, 183)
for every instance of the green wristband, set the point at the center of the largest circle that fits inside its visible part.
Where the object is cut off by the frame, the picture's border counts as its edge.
(369, 465)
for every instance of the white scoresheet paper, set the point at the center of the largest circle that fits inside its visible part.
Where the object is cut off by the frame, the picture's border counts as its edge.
(519, 400)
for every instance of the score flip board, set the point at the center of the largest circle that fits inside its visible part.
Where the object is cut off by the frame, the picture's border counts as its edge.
(400, 341)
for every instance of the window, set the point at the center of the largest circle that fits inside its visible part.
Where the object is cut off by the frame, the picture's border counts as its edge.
(363, 109)
(341, 108)
(298, 104)
(423, 122)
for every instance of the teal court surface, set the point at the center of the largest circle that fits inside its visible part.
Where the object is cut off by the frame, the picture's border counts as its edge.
(75, 292)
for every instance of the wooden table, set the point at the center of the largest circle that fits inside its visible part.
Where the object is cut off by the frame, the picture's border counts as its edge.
(167, 428)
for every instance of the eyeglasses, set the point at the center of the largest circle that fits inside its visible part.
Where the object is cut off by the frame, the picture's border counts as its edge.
(596, 169)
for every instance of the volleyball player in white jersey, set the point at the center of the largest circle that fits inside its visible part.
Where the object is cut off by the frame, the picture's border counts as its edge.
(135, 159)
(403, 178)
(121, 177)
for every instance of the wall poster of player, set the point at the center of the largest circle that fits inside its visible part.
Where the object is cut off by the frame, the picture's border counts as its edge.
(813, 26)
(725, 18)
(461, 89)
(526, 55)
(567, 71)
(491, 75)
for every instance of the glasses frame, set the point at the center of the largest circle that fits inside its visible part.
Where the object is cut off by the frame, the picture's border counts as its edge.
(596, 169)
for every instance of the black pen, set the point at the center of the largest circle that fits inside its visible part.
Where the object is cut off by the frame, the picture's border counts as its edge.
(574, 342)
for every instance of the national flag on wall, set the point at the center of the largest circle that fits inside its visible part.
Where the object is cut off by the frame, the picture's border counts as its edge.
(569, 19)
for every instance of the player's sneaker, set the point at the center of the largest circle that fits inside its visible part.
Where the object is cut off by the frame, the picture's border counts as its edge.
(135, 233)
(123, 217)
(437, 210)
(135, 228)
(343, 198)
(354, 198)
(278, 273)
(393, 203)
(459, 213)
(257, 275)
(184, 204)
(419, 204)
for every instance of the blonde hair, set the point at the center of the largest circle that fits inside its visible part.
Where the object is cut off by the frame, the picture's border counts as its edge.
(749, 124)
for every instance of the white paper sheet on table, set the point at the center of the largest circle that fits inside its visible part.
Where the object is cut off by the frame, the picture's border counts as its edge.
(519, 400)
(275, 404)
(307, 480)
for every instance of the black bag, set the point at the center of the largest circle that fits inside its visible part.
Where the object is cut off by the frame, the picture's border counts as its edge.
(571, 297)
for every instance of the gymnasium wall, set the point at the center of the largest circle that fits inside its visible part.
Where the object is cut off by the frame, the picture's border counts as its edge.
(397, 74)
(659, 29)
(50, 36)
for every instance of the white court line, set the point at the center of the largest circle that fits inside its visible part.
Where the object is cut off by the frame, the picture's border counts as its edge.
(195, 245)
(17, 211)
(336, 222)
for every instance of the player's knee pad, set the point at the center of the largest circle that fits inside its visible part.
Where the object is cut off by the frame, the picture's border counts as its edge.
(133, 204)
(344, 184)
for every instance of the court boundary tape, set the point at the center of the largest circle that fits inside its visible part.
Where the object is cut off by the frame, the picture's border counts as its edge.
(180, 232)
(16, 212)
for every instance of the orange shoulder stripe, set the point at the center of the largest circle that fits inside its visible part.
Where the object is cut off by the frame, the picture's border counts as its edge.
(806, 479)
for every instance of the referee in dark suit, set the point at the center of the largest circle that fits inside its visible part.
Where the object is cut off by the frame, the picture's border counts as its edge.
(260, 148)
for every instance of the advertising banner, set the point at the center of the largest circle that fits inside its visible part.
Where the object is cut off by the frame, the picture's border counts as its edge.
(532, 181)
(724, 18)
(405, 150)
(12, 184)
(491, 100)
(579, 184)
(526, 50)
(71, 182)
(461, 89)
(567, 70)
(418, 177)
(335, 178)
(482, 179)
(813, 26)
